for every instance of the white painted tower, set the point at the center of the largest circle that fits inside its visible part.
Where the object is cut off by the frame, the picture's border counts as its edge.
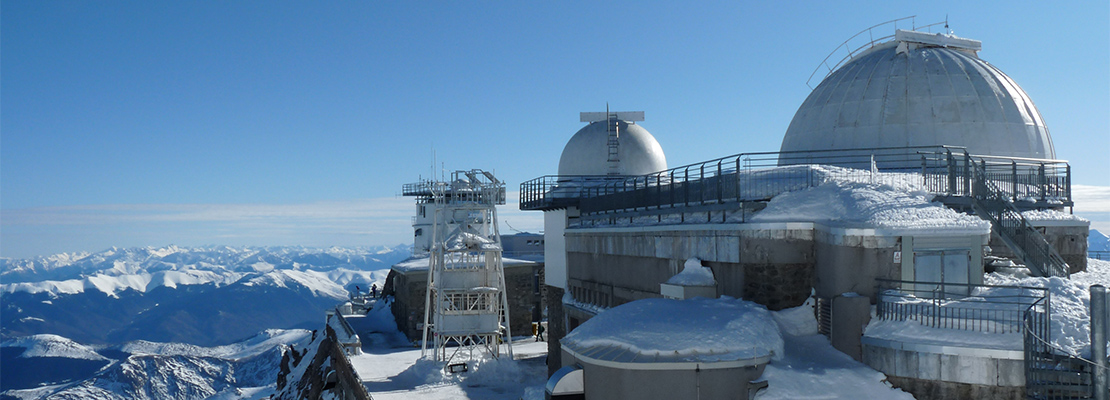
(466, 309)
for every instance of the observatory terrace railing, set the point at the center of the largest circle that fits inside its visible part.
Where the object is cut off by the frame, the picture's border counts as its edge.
(942, 170)
(961, 306)
(997, 206)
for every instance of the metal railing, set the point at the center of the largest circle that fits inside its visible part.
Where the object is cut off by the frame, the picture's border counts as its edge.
(1020, 236)
(868, 42)
(1098, 254)
(942, 170)
(978, 308)
(473, 186)
(1051, 373)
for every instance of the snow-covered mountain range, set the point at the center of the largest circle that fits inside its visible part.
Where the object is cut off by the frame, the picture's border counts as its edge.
(170, 322)
(1097, 241)
(41, 366)
(203, 296)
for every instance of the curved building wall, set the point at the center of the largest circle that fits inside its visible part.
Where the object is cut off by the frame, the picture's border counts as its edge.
(901, 94)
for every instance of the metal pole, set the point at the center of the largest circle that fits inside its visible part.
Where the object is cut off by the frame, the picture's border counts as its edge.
(1100, 390)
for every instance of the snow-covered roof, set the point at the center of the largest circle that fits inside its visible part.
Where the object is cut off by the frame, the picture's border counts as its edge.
(1051, 218)
(896, 210)
(665, 333)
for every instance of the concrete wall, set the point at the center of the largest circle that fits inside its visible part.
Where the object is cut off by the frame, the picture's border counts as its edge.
(851, 260)
(935, 375)
(554, 248)
(771, 264)
(556, 328)
(409, 292)
(1068, 237)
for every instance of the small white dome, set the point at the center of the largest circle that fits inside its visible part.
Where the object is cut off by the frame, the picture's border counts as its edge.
(587, 152)
(912, 94)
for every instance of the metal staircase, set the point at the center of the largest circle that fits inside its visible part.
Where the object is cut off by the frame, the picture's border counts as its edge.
(1027, 243)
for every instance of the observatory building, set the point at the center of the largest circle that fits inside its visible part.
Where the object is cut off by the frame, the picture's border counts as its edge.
(612, 144)
(912, 168)
(920, 89)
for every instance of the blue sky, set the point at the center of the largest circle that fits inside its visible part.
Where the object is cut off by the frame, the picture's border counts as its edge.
(286, 123)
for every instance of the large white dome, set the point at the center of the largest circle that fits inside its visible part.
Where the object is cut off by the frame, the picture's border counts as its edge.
(587, 152)
(919, 91)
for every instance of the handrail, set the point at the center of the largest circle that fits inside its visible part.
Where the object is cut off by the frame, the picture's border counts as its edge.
(943, 170)
(869, 44)
(1051, 372)
(941, 305)
(1029, 245)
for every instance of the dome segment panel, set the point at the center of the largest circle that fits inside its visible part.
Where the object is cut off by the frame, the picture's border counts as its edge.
(587, 152)
(915, 94)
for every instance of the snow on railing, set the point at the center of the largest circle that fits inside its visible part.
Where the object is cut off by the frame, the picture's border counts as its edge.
(945, 305)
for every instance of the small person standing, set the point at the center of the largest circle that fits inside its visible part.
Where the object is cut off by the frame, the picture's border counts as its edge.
(373, 290)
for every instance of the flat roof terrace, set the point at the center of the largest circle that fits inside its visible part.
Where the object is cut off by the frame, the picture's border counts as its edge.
(948, 172)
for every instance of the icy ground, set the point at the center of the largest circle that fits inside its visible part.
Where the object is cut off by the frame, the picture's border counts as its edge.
(391, 368)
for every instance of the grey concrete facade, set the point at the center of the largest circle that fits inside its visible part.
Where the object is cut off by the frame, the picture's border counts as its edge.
(948, 372)
(771, 264)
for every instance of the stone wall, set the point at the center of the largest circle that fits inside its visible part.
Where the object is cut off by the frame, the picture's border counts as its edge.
(409, 291)
(925, 389)
(1069, 238)
(327, 359)
(929, 375)
(556, 327)
(848, 263)
(770, 265)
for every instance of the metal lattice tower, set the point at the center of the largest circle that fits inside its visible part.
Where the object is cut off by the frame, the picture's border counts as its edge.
(466, 308)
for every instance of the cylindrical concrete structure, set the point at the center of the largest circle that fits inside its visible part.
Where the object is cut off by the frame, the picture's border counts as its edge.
(1101, 379)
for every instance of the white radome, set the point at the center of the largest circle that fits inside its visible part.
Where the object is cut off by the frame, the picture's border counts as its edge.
(587, 152)
(920, 90)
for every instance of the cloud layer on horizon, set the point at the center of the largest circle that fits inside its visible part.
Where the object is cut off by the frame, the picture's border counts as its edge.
(378, 221)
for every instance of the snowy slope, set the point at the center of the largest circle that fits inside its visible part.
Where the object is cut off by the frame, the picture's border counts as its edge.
(1070, 329)
(202, 296)
(52, 346)
(1097, 241)
(146, 370)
